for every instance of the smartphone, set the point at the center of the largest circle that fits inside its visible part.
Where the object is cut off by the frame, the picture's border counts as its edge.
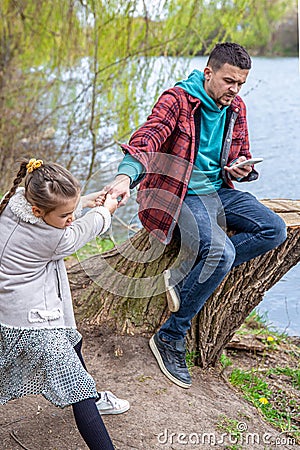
(248, 162)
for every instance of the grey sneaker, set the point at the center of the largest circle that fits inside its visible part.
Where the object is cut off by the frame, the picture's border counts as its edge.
(171, 360)
(172, 292)
(108, 403)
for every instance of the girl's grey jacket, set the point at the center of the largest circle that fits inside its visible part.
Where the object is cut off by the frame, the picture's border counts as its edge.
(34, 287)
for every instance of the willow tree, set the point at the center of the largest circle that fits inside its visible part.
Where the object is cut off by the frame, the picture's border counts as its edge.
(35, 38)
(75, 77)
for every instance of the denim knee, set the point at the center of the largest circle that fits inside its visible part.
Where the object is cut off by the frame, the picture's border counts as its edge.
(220, 258)
(277, 231)
(228, 256)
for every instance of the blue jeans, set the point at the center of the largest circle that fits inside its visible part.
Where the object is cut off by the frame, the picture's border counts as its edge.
(210, 253)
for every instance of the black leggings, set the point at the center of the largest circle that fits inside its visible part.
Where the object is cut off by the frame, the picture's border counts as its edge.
(88, 419)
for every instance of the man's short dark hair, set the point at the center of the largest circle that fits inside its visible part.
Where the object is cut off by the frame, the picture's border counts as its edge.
(230, 53)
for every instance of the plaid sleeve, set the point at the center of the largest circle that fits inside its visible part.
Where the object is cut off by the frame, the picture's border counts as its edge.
(151, 136)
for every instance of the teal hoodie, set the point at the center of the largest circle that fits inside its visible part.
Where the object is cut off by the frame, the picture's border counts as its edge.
(206, 175)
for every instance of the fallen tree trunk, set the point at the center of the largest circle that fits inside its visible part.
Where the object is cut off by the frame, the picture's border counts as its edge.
(125, 287)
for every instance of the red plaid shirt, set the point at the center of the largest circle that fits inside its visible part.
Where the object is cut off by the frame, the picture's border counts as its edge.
(166, 146)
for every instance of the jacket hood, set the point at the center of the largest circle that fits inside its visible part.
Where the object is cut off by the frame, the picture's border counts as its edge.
(194, 85)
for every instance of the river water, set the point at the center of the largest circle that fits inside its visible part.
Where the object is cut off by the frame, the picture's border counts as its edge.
(272, 95)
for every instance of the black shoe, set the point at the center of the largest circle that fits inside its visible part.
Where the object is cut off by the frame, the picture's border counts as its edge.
(171, 360)
(172, 292)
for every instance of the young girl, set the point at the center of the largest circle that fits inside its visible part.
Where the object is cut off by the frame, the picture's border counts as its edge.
(40, 348)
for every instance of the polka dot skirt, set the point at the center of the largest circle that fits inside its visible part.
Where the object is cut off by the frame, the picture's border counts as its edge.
(43, 361)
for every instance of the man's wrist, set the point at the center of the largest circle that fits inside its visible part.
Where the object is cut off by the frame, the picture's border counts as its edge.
(123, 177)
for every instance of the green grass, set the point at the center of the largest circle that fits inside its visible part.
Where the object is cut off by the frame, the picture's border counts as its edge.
(273, 391)
(230, 427)
(294, 374)
(276, 407)
(94, 247)
(253, 387)
(190, 360)
(225, 361)
(257, 324)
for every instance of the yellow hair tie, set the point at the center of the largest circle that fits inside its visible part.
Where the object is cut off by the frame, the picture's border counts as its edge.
(33, 164)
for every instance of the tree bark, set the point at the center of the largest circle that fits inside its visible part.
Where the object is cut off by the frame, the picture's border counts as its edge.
(124, 287)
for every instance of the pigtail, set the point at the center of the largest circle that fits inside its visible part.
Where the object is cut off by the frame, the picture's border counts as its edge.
(17, 181)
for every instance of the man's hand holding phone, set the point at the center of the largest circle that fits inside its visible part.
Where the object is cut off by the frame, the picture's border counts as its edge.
(242, 167)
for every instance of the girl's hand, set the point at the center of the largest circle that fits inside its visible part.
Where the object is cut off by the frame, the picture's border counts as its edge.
(93, 199)
(110, 203)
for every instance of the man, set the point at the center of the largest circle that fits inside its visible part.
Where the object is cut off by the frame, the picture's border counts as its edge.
(185, 158)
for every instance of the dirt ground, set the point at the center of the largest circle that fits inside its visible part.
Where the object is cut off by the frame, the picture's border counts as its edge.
(162, 415)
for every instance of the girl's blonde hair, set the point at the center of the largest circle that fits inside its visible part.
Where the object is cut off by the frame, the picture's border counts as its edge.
(46, 186)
